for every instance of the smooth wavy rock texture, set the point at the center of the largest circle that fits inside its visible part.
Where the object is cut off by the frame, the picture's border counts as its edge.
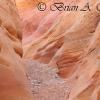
(13, 81)
(49, 55)
(68, 41)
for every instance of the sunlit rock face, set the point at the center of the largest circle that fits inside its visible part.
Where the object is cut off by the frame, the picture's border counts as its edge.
(68, 41)
(13, 82)
(33, 28)
(30, 23)
(24, 3)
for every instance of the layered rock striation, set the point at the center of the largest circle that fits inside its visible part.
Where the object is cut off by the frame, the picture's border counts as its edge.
(13, 81)
(49, 55)
(71, 44)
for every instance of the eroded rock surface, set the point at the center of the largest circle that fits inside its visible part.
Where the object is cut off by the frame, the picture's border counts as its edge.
(56, 58)
(71, 44)
(13, 81)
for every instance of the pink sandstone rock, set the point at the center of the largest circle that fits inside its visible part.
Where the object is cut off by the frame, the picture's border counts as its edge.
(49, 55)
(13, 81)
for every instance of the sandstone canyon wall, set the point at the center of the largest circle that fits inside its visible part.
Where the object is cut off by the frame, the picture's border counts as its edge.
(13, 81)
(49, 55)
(68, 41)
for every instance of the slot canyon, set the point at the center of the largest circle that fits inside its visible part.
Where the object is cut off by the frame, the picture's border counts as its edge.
(50, 54)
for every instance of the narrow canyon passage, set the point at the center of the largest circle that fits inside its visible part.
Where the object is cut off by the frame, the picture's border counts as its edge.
(50, 53)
